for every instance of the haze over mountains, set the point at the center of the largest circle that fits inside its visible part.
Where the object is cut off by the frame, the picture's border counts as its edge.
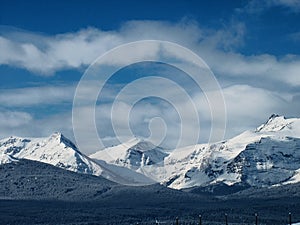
(267, 156)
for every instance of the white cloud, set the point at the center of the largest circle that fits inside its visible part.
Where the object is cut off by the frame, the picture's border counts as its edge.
(293, 5)
(259, 6)
(13, 119)
(248, 105)
(45, 55)
(143, 51)
(251, 102)
(24, 124)
(32, 96)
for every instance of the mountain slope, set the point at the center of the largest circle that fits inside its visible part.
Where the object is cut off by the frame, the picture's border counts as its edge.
(55, 150)
(61, 152)
(27, 179)
(133, 154)
(58, 196)
(42, 181)
(266, 156)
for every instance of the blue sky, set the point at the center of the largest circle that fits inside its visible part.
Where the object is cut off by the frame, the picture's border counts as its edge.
(252, 47)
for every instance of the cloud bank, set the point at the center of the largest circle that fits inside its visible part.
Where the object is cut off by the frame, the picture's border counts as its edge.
(254, 86)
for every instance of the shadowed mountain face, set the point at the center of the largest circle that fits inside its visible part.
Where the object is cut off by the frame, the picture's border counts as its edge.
(44, 181)
(26, 179)
(45, 194)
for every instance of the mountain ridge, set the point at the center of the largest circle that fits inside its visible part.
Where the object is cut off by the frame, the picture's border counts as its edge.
(266, 156)
(56, 150)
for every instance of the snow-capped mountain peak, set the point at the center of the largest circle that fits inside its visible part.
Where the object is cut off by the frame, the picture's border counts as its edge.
(277, 123)
(56, 150)
(251, 157)
(269, 155)
(60, 138)
(132, 154)
(142, 145)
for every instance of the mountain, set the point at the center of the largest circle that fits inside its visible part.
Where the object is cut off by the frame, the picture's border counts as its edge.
(132, 160)
(261, 168)
(133, 154)
(55, 150)
(58, 196)
(27, 179)
(4, 158)
(266, 156)
(59, 151)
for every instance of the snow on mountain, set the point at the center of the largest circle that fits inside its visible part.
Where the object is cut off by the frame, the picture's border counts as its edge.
(55, 150)
(135, 160)
(267, 156)
(133, 154)
(268, 162)
(295, 178)
(280, 123)
(4, 158)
